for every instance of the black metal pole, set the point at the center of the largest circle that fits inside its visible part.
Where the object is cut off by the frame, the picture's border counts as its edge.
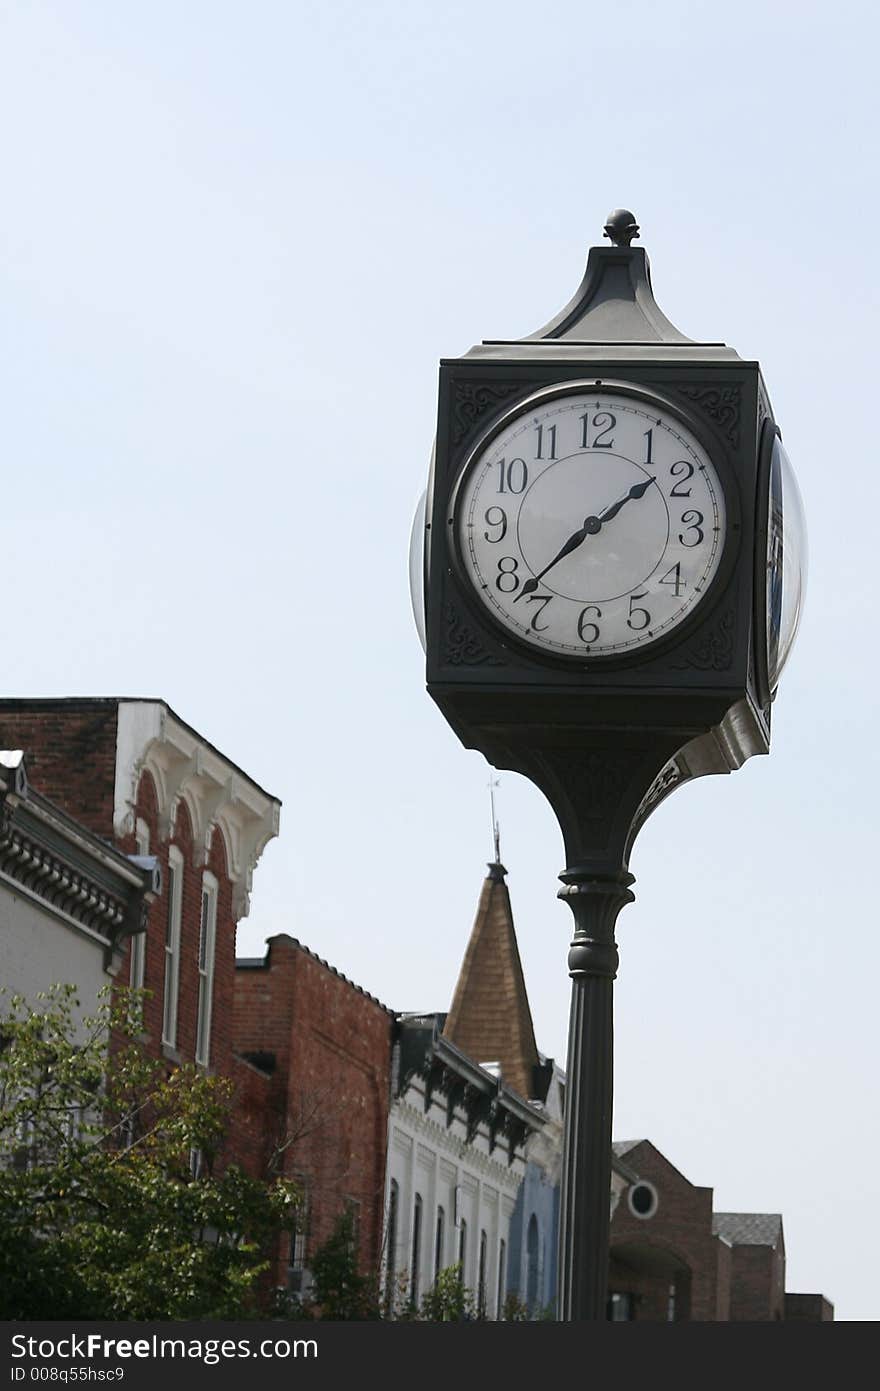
(585, 1210)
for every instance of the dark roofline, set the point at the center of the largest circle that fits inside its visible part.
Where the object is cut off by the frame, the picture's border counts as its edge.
(624, 1147)
(729, 1226)
(422, 1032)
(47, 702)
(263, 963)
(623, 1169)
(52, 857)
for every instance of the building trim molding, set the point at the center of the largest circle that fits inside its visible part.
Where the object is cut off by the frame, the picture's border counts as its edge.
(185, 767)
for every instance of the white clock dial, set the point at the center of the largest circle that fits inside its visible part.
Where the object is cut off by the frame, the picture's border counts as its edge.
(592, 523)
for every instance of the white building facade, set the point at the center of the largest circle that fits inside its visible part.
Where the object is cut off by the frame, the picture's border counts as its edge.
(68, 901)
(456, 1161)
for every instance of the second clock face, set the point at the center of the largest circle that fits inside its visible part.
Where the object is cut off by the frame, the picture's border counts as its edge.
(592, 523)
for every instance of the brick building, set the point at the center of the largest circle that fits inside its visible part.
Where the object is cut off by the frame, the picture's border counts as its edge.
(322, 1046)
(673, 1259)
(139, 778)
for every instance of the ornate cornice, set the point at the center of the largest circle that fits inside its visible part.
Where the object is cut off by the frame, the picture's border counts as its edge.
(451, 1083)
(410, 1116)
(186, 768)
(69, 870)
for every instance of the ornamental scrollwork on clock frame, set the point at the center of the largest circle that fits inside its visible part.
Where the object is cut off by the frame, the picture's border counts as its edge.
(472, 400)
(714, 650)
(463, 646)
(721, 404)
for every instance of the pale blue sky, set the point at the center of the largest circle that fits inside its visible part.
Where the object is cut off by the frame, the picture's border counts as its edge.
(236, 241)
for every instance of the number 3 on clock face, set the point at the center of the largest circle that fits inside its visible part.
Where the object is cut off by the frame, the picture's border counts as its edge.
(592, 522)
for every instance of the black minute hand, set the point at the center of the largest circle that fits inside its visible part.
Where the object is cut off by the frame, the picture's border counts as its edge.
(591, 526)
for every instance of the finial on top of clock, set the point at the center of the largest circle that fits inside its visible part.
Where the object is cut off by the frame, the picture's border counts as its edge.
(621, 227)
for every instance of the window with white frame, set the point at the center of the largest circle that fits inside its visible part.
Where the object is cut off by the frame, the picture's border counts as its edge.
(207, 931)
(172, 946)
(139, 940)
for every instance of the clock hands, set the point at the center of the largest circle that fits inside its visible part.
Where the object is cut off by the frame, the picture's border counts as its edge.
(591, 526)
(637, 491)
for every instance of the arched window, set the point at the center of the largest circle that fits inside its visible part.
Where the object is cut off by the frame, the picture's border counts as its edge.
(502, 1278)
(174, 899)
(207, 935)
(481, 1280)
(416, 1247)
(532, 1266)
(137, 963)
(439, 1242)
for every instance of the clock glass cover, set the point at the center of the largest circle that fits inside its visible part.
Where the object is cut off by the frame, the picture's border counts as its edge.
(591, 523)
(786, 562)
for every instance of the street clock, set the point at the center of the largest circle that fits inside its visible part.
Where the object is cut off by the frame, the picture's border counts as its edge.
(611, 549)
(608, 572)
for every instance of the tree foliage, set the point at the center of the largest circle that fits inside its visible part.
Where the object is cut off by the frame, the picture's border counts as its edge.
(114, 1199)
(448, 1300)
(339, 1290)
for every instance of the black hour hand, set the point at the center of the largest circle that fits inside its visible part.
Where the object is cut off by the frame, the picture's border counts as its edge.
(636, 491)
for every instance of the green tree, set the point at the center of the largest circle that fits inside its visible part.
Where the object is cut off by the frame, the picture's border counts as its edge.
(449, 1300)
(339, 1290)
(114, 1201)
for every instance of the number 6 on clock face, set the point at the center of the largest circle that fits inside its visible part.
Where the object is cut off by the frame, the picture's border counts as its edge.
(591, 523)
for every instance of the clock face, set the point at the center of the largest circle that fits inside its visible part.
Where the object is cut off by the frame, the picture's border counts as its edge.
(592, 522)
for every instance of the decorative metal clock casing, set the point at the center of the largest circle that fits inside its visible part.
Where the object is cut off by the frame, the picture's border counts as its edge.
(609, 436)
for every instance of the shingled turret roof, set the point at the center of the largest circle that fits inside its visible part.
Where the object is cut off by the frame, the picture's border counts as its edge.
(490, 1019)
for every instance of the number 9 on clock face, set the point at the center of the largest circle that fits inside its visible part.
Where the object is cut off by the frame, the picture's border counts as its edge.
(592, 523)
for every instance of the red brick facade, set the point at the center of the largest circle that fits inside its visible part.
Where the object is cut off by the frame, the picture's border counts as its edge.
(71, 753)
(220, 1054)
(673, 1247)
(327, 1045)
(673, 1258)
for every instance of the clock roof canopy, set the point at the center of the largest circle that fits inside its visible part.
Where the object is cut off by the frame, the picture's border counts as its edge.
(612, 314)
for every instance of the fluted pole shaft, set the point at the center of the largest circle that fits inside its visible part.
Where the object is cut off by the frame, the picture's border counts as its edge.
(585, 1211)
